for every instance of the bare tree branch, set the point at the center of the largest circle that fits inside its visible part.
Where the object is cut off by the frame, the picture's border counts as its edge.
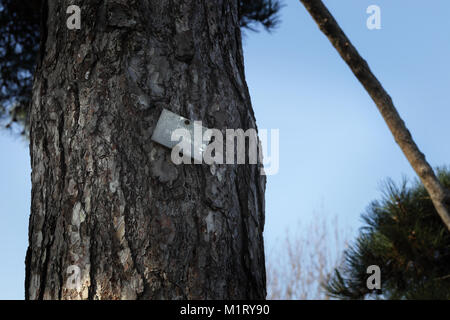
(360, 68)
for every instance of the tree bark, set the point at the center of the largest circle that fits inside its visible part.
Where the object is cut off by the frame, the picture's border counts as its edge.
(106, 198)
(360, 68)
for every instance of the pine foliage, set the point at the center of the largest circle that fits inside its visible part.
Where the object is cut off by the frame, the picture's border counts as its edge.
(405, 237)
(254, 12)
(19, 44)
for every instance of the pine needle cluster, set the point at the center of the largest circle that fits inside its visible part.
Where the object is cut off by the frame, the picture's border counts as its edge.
(405, 237)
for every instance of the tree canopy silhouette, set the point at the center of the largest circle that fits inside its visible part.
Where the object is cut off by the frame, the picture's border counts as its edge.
(19, 46)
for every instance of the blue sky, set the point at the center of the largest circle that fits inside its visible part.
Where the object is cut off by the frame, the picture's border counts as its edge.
(335, 149)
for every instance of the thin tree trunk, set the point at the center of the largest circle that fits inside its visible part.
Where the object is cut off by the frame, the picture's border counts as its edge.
(108, 200)
(360, 68)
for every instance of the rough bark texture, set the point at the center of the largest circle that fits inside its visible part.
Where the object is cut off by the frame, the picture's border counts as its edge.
(104, 196)
(328, 25)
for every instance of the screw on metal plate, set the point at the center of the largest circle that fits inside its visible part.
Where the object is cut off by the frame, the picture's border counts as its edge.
(169, 127)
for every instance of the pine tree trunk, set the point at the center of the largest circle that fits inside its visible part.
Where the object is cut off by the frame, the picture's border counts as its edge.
(107, 199)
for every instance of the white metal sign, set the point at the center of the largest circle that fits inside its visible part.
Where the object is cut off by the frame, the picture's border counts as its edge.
(169, 132)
